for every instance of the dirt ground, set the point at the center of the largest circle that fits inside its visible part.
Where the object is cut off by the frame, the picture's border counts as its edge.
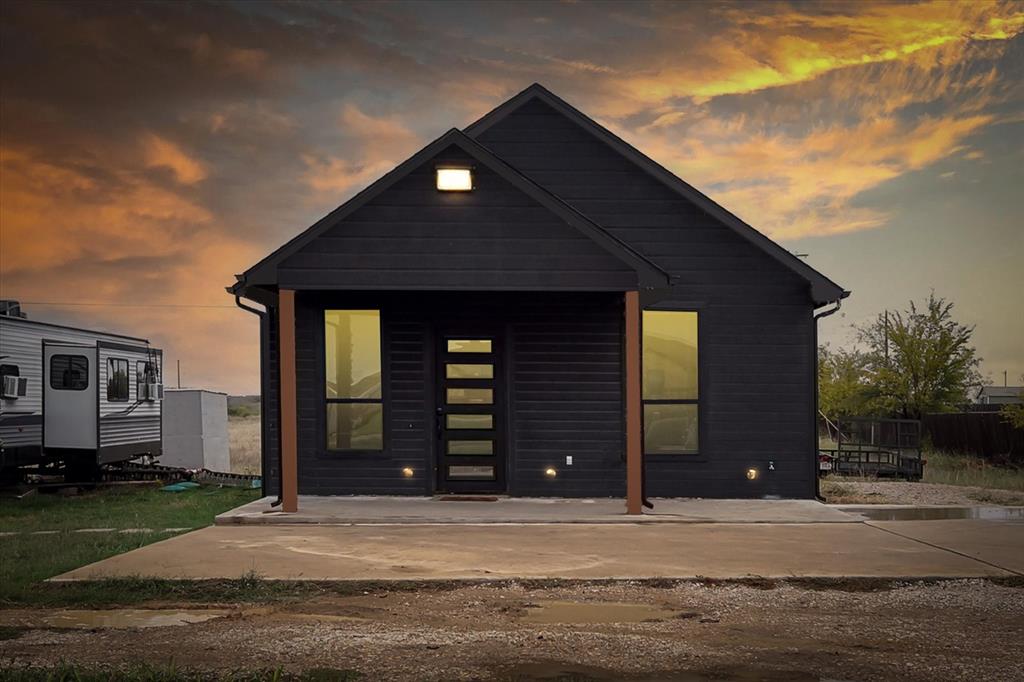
(958, 630)
(845, 491)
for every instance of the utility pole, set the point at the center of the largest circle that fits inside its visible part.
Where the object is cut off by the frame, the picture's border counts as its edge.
(886, 335)
(179, 373)
(1004, 379)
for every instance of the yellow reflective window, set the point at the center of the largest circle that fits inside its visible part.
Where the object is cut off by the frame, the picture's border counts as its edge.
(355, 426)
(456, 371)
(470, 396)
(469, 345)
(355, 410)
(352, 353)
(470, 447)
(470, 421)
(670, 428)
(669, 355)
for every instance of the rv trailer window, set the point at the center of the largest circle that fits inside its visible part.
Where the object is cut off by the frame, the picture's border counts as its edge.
(69, 372)
(145, 373)
(117, 380)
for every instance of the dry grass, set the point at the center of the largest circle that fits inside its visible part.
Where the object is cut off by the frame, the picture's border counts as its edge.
(835, 492)
(244, 443)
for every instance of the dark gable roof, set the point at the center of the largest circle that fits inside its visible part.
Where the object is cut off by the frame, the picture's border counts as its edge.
(823, 290)
(649, 275)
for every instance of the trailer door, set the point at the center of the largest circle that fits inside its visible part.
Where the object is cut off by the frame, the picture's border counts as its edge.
(70, 385)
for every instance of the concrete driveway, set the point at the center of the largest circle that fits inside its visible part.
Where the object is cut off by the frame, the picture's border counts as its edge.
(889, 549)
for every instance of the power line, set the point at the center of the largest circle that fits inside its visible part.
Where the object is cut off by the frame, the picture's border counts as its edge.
(122, 305)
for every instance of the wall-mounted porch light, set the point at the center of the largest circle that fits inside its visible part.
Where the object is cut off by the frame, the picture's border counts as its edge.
(455, 179)
(550, 472)
(752, 474)
(407, 472)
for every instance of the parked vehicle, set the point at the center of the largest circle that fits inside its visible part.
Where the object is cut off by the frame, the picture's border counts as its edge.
(867, 446)
(76, 396)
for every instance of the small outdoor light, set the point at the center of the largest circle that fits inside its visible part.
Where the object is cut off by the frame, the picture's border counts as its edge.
(407, 472)
(454, 179)
(752, 474)
(550, 472)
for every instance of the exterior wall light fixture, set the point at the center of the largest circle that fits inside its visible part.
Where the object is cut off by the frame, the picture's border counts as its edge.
(550, 472)
(407, 472)
(753, 474)
(455, 179)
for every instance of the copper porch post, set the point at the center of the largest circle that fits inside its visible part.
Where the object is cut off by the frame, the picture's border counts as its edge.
(289, 418)
(634, 435)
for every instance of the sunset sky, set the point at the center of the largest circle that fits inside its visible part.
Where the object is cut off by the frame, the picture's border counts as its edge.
(150, 151)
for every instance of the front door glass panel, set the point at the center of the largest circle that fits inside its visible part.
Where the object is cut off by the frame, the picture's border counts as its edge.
(470, 451)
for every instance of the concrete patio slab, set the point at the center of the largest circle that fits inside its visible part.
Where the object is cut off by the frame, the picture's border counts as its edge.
(430, 510)
(575, 550)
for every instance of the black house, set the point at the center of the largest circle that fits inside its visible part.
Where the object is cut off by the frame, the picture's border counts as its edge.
(531, 306)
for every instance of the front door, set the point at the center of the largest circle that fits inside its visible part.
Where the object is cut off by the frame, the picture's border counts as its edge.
(70, 393)
(470, 417)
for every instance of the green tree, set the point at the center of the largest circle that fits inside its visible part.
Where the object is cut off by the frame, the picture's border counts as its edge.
(1015, 413)
(842, 389)
(919, 360)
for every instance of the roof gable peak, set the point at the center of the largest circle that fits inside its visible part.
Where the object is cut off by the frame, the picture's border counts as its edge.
(823, 290)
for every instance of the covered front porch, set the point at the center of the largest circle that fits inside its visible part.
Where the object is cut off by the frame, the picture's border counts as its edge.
(524, 393)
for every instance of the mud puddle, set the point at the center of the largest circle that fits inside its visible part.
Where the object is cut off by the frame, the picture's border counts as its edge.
(112, 618)
(553, 611)
(939, 513)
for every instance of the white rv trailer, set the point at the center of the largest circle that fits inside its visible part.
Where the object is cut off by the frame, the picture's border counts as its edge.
(80, 396)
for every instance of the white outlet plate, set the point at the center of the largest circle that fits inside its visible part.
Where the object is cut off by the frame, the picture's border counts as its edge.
(568, 460)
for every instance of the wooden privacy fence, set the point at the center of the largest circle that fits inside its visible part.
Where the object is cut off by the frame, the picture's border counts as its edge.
(984, 434)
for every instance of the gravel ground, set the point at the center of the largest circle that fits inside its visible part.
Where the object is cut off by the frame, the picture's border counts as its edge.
(843, 491)
(957, 630)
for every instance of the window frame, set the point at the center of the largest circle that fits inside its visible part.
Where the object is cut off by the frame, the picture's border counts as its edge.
(326, 400)
(84, 387)
(111, 360)
(693, 456)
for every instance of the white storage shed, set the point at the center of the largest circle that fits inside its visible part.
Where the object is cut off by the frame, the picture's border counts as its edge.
(195, 430)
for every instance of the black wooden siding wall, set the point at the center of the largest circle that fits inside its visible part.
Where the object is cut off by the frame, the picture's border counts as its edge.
(495, 237)
(757, 344)
(565, 393)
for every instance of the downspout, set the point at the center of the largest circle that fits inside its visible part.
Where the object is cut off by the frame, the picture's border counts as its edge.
(264, 333)
(817, 408)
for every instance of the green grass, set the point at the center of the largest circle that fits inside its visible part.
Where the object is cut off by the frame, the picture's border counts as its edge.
(953, 469)
(120, 507)
(66, 672)
(26, 560)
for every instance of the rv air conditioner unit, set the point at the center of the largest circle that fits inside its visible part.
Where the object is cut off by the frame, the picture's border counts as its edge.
(14, 387)
(153, 392)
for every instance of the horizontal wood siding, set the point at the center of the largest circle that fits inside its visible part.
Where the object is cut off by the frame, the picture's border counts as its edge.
(415, 237)
(566, 386)
(757, 346)
(564, 393)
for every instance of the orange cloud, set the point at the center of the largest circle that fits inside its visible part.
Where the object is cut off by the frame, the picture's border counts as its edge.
(159, 152)
(765, 49)
(791, 186)
(380, 142)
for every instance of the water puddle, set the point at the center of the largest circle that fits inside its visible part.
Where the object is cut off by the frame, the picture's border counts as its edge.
(551, 611)
(938, 513)
(128, 618)
(569, 672)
